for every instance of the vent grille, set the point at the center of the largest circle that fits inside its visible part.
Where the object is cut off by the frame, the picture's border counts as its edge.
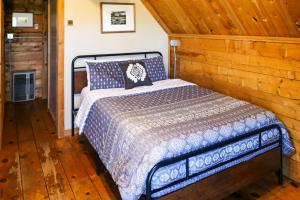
(23, 86)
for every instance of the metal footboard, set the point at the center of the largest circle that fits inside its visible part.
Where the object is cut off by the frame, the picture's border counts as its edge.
(186, 157)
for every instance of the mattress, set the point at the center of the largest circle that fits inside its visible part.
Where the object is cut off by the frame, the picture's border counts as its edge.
(132, 130)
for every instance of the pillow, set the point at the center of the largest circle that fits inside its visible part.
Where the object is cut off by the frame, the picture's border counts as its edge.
(106, 60)
(104, 75)
(107, 74)
(135, 74)
(155, 68)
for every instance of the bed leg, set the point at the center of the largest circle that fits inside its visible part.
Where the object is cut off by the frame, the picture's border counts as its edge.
(280, 177)
(98, 170)
(97, 161)
(280, 171)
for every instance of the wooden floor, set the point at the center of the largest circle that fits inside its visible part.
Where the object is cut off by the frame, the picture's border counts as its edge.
(36, 165)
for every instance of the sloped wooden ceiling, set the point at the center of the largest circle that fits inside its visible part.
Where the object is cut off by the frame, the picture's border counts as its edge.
(278, 18)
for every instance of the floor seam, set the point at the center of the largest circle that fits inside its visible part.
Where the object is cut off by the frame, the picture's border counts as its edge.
(19, 158)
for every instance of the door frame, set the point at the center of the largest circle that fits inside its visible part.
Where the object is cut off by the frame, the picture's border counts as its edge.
(59, 114)
(60, 127)
(2, 71)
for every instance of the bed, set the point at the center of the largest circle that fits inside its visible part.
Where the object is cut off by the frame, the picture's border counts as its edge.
(173, 138)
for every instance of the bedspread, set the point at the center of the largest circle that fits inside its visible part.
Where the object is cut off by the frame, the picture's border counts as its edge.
(133, 132)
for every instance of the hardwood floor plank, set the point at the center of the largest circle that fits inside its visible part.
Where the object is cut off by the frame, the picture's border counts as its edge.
(79, 180)
(271, 188)
(32, 174)
(46, 118)
(256, 191)
(55, 178)
(101, 182)
(10, 174)
(10, 132)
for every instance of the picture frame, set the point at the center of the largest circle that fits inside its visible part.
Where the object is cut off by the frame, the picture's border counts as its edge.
(117, 17)
(22, 20)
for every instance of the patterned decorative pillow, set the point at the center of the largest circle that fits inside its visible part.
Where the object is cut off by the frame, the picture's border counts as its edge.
(155, 67)
(135, 74)
(104, 75)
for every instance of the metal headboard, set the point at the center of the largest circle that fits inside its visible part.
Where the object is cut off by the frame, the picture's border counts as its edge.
(95, 57)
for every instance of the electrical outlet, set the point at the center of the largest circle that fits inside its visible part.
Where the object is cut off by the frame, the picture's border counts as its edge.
(70, 23)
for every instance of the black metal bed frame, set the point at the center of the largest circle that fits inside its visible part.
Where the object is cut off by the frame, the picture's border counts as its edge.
(185, 157)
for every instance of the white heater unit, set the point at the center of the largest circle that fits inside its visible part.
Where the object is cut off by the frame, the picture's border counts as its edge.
(23, 86)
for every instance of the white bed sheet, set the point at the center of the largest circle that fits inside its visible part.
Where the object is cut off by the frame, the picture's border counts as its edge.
(79, 97)
(90, 97)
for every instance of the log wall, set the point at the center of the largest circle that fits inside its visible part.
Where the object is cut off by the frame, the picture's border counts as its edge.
(262, 70)
(30, 52)
(2, 96)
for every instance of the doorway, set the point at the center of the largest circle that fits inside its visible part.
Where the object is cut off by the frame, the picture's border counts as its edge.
(26, 47)
(35, 46)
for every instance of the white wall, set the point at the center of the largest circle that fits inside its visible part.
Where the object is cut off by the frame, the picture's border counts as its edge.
(85, 37)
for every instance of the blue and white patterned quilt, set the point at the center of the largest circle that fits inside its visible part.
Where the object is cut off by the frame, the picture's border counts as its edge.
(133, 132)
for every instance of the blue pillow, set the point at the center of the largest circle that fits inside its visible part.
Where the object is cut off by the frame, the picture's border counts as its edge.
(155, 68)
(104, 75)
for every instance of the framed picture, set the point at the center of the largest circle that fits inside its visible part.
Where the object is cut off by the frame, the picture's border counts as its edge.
(22, 20)
(117, 17)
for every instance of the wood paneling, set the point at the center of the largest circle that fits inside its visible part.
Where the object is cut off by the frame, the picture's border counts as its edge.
(156, 16)
(64, 169)
(261, 70)
(293, 8)
(227, 17)
(56, 63)
(80, 81)
(30, 51)
(52, 49)
(2, 70)
(24, 55)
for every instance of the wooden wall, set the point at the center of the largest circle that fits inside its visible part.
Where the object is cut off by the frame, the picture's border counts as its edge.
(52, 90)
(262, 70)
(2, 69)
(228, 17)
(56, 64)
(27, 53)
